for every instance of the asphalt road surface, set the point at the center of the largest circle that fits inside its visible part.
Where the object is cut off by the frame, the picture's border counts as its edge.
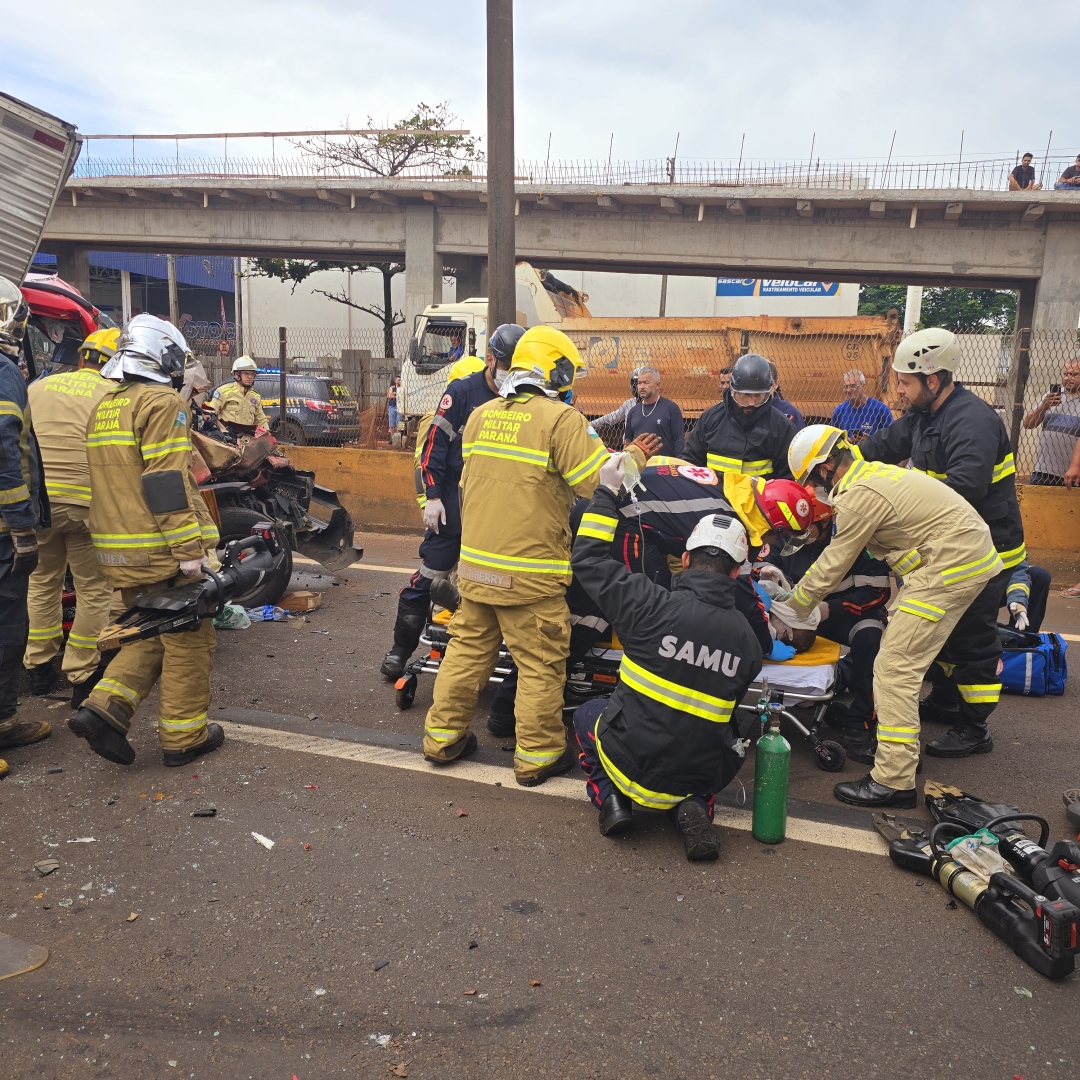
(422, 924)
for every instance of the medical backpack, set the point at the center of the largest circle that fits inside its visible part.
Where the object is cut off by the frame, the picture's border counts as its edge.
(1032, 664)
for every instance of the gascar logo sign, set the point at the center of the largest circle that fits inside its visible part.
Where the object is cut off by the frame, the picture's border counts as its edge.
(773, 287)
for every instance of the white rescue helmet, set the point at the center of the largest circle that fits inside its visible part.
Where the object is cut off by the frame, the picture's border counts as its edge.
(720, 532)
(811, 446)
(927, 351)
(244, 363)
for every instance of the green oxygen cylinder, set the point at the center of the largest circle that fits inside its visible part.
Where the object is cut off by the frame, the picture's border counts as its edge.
(772, 766)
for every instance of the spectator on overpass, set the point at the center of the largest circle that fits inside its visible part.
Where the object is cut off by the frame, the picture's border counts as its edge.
(1059, 416)
(655, 415)
(1022, 178)
(1070, 178)
(860, 415)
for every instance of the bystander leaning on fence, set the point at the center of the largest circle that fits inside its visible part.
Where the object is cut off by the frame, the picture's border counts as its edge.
(1059, 416)
(392, 412)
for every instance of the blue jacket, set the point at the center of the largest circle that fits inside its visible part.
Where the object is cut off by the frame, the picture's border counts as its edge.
(23, 503)
(440, 460)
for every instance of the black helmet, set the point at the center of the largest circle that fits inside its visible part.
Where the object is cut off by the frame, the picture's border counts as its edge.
(503, 342)
(752, 374)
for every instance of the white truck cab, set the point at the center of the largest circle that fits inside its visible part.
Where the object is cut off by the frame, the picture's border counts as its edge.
(446, 332)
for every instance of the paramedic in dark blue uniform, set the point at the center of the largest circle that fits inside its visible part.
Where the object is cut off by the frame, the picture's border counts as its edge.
(668, 737)
(440, 465)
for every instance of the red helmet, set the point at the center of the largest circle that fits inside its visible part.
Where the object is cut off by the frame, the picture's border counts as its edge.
(789, 508)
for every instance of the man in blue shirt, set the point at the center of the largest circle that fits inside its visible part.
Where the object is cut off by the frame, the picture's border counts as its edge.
(861, 415)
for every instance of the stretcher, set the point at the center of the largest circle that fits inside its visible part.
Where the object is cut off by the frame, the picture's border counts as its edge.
(804, 683)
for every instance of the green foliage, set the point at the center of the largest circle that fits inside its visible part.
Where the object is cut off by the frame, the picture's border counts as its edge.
(964, 311)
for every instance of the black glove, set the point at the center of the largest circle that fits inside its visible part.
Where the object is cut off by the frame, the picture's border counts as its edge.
(26, 553)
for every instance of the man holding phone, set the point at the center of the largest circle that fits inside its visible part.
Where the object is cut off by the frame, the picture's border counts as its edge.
(1058, 414)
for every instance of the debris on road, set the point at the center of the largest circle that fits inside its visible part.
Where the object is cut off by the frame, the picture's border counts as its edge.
(264, 840)
(232, 617)
(132, 917)
(469, 993)
(398, 1069)
(307, 847)
(172, 1064)
(535, 982)
(311, 787)
(320, 992)
(382, 1040)
(205, 811)
(474, 945)
(83, 840)
(46, 867)
(1021, 991)
(523, 907)
(56, 770)
(381, 964)
(462, 813)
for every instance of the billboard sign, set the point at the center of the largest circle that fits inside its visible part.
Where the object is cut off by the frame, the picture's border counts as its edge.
(773, 287)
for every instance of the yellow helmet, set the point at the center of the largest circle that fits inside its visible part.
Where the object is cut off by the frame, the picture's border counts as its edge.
(811, 446)
(99, 348)
(547, 358)
(467, 365)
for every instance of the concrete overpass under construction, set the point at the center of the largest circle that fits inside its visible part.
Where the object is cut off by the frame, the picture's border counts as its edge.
(1028, 241)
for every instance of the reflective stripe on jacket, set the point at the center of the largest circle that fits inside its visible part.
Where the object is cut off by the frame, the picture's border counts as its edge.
(688, 658)
(907, 518)
(965, 445)
(62, 404)
(726, 440)
(139, 453)
(526, 459)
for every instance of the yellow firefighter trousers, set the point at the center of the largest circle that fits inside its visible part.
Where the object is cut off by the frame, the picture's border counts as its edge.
(538, 637)
(66, 544)
(182, 661)
(925, 616)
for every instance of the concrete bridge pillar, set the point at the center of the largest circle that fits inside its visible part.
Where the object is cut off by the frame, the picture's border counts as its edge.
(1057, 300)
(423, 264)
(73, 265)
(471, 274)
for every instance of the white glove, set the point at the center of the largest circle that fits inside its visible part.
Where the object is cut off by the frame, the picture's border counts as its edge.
(191, 567)
(1020, 616)
(434, 514)
(613, 472)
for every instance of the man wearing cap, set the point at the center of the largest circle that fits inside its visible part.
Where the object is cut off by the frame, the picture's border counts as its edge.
(668, 737)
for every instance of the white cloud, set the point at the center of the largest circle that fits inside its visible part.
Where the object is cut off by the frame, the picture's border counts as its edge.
(849, 71)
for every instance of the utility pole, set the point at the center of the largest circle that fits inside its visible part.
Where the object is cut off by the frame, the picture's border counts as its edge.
(125, 296)
(502, 300)
(912, 308)
(174, 301)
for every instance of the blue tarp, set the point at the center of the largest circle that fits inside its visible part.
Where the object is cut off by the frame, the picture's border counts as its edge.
(211, 272)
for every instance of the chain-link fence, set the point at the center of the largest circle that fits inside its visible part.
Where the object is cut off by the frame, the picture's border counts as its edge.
(1013, 373)
(355, 359)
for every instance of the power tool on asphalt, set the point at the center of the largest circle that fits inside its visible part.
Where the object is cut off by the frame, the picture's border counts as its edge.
(245, 565)
(1043, 930)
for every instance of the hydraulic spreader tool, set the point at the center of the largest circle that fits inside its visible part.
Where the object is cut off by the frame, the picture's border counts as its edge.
(244, 566)
(1033, 904)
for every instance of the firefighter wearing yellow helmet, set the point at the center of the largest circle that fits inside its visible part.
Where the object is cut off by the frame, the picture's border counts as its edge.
(238, 406)
(943, 550)
(528, 455)
(62, 404)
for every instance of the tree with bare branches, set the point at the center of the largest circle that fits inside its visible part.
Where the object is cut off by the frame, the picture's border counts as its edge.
(417, 144)
(298, 270)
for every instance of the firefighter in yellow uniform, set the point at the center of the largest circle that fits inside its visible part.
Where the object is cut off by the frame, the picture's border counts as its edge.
(62, 404)
(931, 536)
(150, 527)
(528, 455)
(238, 404)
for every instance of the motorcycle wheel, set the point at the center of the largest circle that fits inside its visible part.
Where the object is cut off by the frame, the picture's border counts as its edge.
(236, 523)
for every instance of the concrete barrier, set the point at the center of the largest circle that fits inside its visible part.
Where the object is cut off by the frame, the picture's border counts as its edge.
(376, 487)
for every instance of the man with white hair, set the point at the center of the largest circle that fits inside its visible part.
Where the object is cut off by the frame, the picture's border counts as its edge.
(859, 415)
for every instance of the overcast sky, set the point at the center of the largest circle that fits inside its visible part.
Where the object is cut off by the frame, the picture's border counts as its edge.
(850, 71)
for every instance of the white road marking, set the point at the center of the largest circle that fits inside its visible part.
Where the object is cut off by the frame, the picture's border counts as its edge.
(359, 566)
(812, 832)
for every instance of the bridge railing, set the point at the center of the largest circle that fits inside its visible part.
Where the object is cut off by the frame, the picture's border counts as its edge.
(975, 175)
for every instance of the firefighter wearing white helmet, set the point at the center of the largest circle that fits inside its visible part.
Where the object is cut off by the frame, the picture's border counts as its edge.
(527, 456)
(238, 404)
(956, 437)
(669, 735)
(943, 550)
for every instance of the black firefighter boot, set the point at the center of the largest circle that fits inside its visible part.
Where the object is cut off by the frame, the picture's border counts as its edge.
(411, 617)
